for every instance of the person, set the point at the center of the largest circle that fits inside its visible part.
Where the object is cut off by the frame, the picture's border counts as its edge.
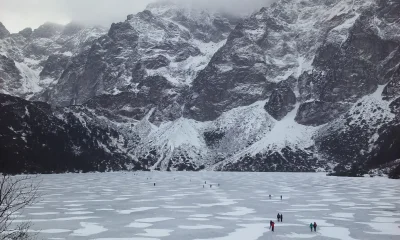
(311, 226)
(273, 226)
(270, 224)
(154, 184)
(315, 226)
(281, 197)
(279, 217)
(270, 196)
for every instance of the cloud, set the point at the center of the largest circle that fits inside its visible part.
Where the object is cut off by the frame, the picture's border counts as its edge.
(18, 14)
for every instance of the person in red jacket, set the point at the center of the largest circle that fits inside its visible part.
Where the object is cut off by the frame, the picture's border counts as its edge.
(273, 226)
(315, 226)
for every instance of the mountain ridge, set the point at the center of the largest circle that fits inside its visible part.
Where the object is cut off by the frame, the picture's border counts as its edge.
(296, 86)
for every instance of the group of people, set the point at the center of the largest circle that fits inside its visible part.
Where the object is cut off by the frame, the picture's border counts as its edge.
(272, 224)
(270, 196)
(313, 226)
(280, 217)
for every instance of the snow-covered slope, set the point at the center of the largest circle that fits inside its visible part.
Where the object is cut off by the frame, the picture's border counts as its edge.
(273, 45)
(355, 137)
(37, 58)
(165, 40)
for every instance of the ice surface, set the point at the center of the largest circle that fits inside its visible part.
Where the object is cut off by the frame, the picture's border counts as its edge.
(88, 229)
(198, 227)
(139, 225)
(156, 233)
(126, 206)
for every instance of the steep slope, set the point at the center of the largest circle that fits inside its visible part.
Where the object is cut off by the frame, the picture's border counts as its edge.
(273, 45)
(284, 146)
(351, 139)
(165, 41)
(176, 145)
(3, 31)
(32, 61)
(38, 139)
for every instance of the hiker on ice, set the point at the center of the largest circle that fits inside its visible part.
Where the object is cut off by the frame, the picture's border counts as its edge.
(278, 217)
(311, 226)
(273, 226)
(315, 226)
(270, 224)
(281, 217)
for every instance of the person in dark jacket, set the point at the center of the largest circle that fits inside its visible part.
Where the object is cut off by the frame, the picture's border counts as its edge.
(281, 217)
(315, 226)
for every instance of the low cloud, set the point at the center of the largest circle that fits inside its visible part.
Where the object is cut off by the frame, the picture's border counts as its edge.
(18, 14)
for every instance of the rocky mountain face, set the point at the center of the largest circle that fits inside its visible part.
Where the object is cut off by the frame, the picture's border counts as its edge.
(296, 86)
(36, 138)
(32, 61)
(163, 47)
(3, 31)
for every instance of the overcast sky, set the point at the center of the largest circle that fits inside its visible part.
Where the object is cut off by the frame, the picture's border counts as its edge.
(18, 14)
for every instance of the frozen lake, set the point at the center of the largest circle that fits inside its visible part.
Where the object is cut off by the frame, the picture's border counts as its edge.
(129, 206)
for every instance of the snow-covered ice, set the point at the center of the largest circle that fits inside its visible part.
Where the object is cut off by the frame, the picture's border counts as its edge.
(128, 206)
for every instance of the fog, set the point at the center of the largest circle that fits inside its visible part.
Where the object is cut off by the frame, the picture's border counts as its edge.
(18, 14)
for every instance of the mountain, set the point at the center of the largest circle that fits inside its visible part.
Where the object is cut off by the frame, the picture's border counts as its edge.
(32, 61)
(3, 31)
(300, 85)
(36, 138)
(165, 41)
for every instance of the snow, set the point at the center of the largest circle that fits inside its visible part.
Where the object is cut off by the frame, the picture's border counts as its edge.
(339, 34)
(384, 228)
(30, 55)
(68, 54)
(298, 236)
(156, 233)
(88, 229)
(30, 78)
(133, 210)
(186, 71)
(238, 209)
(171, 138)
(247, 231)
(343, 215)
(200, 227)
(286, 132)
(341, 233)
(152, 220)
(180, 132)
(45, 213)
(139, 225)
